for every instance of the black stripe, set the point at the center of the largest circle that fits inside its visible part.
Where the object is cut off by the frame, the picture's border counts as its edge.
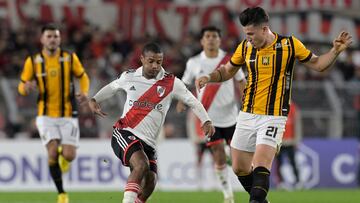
(284, 77)
(276, 77)
(243, 49)
(35, 76)
(62, 83)
(307, 58)
(272, 80)
(253, 79)
(282, 95)
(74, 112)
(289, 75)
(43, 76)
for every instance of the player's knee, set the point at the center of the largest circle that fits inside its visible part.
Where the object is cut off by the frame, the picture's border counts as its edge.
(69, 155)
(141, 167)
(240, 170)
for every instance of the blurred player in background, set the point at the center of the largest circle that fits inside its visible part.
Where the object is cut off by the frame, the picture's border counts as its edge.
(51, 72)
(269, 58)
(150, 91)
(197, 137)
(290, 140)
(218, 99)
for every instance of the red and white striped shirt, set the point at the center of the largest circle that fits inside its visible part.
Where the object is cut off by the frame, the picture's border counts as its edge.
(148, 101)
(217, 98)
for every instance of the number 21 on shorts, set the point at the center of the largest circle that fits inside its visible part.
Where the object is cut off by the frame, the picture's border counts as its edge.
(271, 131)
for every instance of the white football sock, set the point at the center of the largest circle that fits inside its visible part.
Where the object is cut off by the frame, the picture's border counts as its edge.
(223, 177)
(131, 192)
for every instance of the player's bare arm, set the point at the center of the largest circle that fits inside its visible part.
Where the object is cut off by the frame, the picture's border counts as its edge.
(323, 62)
(96, 109)
(224, 73)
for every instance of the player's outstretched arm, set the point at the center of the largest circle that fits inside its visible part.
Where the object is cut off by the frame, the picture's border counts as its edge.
(323, 62)
(224, 73)
(103, 94)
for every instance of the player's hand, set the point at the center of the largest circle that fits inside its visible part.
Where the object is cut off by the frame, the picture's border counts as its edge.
(201, 82)
(342, 42)
(208, 129)
(82, 98)
(29, 86)
(96, 109)
(180, 107)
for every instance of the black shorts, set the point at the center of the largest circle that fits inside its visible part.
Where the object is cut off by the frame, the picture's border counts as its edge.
(220, 135)
(124, 144)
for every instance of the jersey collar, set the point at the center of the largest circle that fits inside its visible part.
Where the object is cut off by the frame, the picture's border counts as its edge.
(203, 56)
(159, 76)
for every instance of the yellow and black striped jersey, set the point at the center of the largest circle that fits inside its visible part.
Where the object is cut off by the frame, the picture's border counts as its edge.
(54, 78)
(270, 69)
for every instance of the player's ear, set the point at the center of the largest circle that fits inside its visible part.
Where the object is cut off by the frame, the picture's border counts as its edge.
(265, 28)
(142, 59)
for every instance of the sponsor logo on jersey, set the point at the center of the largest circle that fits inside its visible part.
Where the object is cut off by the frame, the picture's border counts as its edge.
(145, 105)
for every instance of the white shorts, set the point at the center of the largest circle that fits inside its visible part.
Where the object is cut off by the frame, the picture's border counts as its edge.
(66, 129)
(254, 129)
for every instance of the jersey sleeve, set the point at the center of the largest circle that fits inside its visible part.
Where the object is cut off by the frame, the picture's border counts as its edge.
(301, 52)
(183, 94)
(110, 89)
(26, 75)
(79, 72)
(188, 77)
(120, 82)
(237, 58)
(78, 69)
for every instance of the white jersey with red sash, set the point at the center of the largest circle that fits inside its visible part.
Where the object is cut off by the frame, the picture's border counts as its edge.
(218, 98)
(148, 101)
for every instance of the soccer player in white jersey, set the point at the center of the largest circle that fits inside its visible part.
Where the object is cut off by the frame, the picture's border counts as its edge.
(150, 91)
(218, 99)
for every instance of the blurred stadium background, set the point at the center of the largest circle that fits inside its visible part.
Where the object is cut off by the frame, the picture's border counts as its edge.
(108, 35)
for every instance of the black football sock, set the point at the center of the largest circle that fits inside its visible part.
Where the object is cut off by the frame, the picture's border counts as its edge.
(260, 185)
(55, 173)
(246, 181)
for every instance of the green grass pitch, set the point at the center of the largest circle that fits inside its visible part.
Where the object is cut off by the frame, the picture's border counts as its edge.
(304, 196)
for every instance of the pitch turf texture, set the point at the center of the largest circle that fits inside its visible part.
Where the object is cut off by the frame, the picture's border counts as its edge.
(305, 196)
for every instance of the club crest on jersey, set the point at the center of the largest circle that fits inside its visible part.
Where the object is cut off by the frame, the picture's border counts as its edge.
(160, 91)
(132, 137)
(265, 60)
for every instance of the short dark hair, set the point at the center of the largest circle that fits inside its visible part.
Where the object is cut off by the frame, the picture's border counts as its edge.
(209, 29)
(50, 26)
(153, 47)
(253, 16)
